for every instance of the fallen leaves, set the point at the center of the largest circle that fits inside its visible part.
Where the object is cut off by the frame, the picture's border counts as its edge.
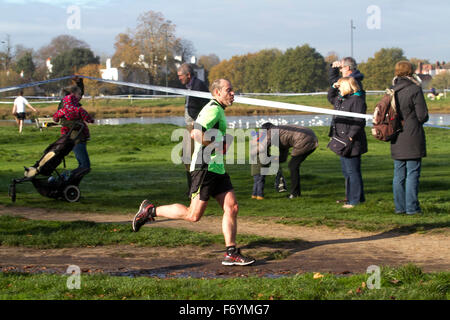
(318, 275)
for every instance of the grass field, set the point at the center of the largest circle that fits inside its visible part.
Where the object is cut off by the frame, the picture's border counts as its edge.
(132, 162)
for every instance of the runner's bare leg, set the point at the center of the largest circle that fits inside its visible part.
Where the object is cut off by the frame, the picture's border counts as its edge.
(193, 213)
(228, 202)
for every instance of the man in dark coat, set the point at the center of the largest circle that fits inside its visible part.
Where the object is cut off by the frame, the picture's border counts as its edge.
(303, 142)
(193, 106)
(409, 147)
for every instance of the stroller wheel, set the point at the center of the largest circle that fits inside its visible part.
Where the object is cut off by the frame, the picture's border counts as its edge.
(72, 193)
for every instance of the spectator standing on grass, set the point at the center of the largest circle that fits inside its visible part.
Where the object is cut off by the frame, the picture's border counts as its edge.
(409, 147)
(19, 111)
(259, 179)
(71, 115)
(209, 178)
(349, 134)
(346, 67)
(193, 106)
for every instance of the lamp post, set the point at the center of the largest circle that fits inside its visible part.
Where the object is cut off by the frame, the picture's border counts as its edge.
(167, 58)
(352, 27)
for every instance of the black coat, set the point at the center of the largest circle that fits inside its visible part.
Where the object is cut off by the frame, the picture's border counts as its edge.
(412, 108)
(346, 127)
(194, 104)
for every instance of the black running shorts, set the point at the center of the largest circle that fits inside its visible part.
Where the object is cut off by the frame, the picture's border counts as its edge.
(21, 115)
(209, 184)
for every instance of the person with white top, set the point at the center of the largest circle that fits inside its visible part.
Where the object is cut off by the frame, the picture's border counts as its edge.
(19, 109)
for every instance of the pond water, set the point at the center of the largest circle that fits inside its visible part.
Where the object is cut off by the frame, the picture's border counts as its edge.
(245, 122)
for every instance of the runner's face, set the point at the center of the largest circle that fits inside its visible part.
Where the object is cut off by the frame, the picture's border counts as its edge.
(225, 95)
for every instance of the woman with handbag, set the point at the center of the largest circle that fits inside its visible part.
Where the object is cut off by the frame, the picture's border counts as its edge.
(348, 138)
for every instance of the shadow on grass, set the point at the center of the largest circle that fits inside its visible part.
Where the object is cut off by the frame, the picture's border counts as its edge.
(294, 246)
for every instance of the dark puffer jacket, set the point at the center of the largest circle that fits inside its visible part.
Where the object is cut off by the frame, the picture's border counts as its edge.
(301, 139)
(412, 108)
(346, 127)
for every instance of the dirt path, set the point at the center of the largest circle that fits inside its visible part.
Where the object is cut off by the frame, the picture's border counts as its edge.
(306, 249)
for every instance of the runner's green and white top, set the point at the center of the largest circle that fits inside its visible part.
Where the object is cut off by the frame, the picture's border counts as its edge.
(212, 116)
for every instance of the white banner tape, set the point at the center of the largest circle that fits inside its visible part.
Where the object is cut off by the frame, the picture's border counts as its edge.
(249, 101)
(207, 95)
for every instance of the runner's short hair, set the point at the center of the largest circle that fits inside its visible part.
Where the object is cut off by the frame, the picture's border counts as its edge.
(217, 84)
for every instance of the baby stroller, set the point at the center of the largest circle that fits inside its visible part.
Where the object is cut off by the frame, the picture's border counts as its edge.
(44, 174)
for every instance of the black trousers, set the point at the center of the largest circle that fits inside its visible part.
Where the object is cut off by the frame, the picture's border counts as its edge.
(294, 168)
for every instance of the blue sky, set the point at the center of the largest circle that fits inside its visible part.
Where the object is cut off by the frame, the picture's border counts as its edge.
(235, 27)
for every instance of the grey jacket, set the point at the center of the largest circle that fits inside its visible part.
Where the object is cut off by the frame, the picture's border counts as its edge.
(412, 108)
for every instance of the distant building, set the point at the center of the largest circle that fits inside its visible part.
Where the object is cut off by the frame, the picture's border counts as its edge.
(426, 71)
(430, 69)
(110, 73)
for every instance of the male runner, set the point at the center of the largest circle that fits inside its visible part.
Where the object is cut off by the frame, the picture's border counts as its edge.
(208, 176)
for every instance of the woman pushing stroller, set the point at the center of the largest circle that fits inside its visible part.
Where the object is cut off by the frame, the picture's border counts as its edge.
(70, 116)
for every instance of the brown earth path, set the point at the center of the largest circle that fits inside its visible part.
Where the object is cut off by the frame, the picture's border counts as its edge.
(306, 249)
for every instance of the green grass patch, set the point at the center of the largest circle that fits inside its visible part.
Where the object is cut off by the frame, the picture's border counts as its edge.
(404, 283)
(133, 162)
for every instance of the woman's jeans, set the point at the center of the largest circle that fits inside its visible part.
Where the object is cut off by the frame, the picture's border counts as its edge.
(258, 185)
(354, 188)
(81, 155)
(406, 185)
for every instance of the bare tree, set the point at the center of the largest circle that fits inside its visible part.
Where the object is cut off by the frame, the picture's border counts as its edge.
(151, 48)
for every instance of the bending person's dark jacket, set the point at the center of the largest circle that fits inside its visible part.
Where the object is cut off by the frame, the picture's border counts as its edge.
(412, 108)
(347, 127)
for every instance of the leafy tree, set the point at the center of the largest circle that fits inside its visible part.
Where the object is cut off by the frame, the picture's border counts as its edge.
(208, 61)
(6, 56)
(379, 70)
(91, 87)
(25, 64)
(301, 69)
(233, 70)
(69, 62)
(258, 70)
(59, 45)
(441, 81)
